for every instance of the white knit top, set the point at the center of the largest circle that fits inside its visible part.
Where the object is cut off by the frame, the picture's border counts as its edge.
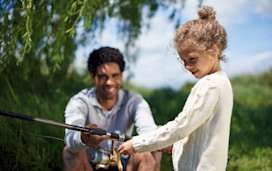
(200, 133)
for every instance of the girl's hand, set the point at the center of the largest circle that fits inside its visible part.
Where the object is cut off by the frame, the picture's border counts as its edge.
(127, 148)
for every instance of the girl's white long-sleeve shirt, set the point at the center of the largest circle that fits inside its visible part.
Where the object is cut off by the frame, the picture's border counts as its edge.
(200, 133)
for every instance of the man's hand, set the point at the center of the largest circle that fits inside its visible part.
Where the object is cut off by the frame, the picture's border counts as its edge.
(127, 148)
(92, 140)
(167, 149)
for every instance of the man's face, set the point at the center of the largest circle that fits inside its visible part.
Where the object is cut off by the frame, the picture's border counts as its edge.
(108, 80)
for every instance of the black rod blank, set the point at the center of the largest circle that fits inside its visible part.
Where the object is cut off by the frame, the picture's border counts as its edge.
(91, 131)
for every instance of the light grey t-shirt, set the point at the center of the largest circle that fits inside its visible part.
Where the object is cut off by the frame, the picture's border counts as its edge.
(129, 110)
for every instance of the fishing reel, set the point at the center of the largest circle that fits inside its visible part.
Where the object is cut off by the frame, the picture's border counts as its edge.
(103, 159)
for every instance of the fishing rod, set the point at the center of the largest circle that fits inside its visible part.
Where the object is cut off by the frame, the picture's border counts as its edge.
(86, 131)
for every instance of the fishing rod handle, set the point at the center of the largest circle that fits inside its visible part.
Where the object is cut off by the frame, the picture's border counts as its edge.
(119, 137)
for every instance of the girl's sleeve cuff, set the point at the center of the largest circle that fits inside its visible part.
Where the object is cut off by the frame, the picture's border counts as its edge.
(138, 143)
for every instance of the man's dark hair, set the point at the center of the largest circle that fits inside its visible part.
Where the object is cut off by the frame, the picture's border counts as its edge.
(105, 55)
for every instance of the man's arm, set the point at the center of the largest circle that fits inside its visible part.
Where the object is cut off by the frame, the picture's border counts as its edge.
(143, 118)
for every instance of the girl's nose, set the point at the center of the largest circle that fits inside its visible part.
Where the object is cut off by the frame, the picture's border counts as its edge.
(188, 67)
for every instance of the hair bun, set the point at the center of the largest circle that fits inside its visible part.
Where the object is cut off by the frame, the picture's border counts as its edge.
(206, 12)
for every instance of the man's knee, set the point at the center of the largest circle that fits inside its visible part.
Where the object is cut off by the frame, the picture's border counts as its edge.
(146, 160)
(65, 156)
(75, 161)
(153, 159)
(64, 152)
(157, 157)
(68, 159)
(148, 157)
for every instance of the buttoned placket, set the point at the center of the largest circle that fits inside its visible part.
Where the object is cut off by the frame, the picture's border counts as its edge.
(108, 115)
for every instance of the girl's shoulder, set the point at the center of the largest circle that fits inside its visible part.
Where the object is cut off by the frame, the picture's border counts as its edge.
(215, 80)
(217, 77)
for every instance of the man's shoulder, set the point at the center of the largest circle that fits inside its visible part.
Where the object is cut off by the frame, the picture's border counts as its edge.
(129, 93)
(129, 96)
(85, 93)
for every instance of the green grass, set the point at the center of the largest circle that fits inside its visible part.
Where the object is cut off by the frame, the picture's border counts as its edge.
(24, 147)
(258, 158)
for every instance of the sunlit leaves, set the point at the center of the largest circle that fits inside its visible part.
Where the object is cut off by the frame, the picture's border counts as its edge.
(27, 35)
(44, 32)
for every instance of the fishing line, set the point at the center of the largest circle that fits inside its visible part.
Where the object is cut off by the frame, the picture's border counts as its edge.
(37, 135)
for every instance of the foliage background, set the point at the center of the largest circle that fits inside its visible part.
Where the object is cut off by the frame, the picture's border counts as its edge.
(251, 129)
(37, 45)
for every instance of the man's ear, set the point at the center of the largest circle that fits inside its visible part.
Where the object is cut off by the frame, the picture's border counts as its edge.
(92, 77)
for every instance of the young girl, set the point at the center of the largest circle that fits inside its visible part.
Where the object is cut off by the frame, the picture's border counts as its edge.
(200, 133)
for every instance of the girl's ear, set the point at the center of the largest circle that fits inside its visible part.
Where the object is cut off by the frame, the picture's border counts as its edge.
(215, 50)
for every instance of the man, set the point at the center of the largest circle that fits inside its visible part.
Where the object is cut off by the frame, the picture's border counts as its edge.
(111, 108)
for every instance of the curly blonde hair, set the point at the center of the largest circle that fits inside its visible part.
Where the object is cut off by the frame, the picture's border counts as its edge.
(202, 33)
